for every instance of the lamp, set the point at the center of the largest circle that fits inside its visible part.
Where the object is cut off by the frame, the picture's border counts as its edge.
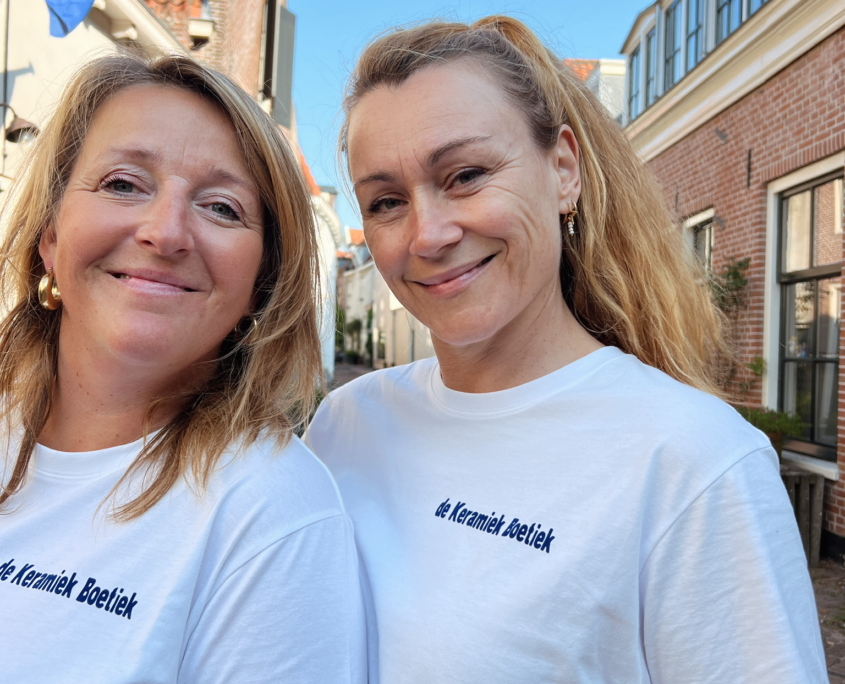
(20, 130)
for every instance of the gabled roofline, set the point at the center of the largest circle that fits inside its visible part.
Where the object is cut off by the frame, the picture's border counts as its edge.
(153, 33)
(634, 33)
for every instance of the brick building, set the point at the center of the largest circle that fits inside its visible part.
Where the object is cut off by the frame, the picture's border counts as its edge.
(233, 37)
(737, 107)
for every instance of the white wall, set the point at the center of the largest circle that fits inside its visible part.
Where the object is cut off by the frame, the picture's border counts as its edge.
(328, 232)
(607, 83)
(405, 338)
(39, 65)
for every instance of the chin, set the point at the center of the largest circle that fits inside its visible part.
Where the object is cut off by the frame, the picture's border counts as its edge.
(464, 330)
(148, 345)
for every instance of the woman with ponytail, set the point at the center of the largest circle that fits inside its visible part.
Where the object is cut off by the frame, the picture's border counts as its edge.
(560, 495)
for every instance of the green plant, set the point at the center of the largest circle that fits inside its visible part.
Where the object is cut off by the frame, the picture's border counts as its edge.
(757, 368)
(727, 288)
(369, 348)
(340, 324)
(353, 329)
(772, 422)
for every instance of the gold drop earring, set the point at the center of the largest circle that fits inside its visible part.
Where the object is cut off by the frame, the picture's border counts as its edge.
(569, 217)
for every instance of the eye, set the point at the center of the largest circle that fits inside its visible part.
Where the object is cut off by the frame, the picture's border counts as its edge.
(385, 204)
(467, 176)
(118, 185)
(224, 210)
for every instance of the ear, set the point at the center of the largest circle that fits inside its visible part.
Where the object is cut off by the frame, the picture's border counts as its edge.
(47, 246)
(568, 169)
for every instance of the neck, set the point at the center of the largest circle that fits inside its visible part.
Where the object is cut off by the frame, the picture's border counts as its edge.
(99, 402)
(542, 339)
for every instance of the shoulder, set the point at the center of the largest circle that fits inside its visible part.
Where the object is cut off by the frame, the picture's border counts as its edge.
(376, 390)
(653, 402)
(385, 381)
(676, 438)
(279, 488)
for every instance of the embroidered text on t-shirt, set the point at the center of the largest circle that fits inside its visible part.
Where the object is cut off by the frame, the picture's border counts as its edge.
(531, 535)
(114, 601)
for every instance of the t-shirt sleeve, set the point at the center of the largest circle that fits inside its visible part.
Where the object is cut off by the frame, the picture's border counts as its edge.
(292, 613)
(725, 594)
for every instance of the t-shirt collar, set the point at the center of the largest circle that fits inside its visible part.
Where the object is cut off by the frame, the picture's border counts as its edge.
(522, 396)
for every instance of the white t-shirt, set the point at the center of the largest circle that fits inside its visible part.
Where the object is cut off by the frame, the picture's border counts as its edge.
(255, 580)
(604, 524)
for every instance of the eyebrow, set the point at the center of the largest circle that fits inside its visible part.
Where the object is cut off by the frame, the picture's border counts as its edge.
(437, 154)
(143, 154)
(140, 154)
(433, 157)
(218, 174)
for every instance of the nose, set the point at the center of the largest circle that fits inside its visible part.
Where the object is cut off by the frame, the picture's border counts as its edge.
(432, 228)
(165, 228)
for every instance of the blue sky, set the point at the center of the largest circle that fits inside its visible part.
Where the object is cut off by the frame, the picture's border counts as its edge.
(331, 33)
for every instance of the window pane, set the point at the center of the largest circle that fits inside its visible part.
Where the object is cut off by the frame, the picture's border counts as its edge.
(797, 393)
(830, 306)
(827, 380)
(827, 223)
(702, 242)
(754, 5)
(800, 305)
(796, 213)
(674, 36)
(728, 18)
(634, 85)
(693, 32)
(651, 68)
(736, 15)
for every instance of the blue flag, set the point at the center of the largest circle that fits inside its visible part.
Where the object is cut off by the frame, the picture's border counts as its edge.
(66, 15)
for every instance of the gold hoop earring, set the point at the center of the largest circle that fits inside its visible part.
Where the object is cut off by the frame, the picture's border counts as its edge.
(48, 291)
(569, 217)
(252, 326)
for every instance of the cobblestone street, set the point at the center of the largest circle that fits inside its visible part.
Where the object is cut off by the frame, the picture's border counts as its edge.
(346, 372)
(829, 584)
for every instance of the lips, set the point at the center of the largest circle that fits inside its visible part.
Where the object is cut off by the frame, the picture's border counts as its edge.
(454, 273)
(454, 280)
(155, 280)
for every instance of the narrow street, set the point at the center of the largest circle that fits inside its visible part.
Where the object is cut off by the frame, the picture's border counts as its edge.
(829, 585)
(347, 372)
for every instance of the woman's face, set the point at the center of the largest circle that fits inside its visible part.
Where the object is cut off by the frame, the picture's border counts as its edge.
(461, 208)
(158, 238)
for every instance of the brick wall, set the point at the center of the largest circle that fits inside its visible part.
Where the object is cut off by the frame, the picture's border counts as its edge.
(234, 48)
(794, 119)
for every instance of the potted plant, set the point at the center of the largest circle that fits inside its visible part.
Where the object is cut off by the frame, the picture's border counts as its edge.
(776, 424)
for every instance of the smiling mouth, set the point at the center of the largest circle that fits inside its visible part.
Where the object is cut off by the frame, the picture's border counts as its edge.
(437, 282)
(125, 276)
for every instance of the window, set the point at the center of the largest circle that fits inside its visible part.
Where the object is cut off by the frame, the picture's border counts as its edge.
(674, 34)
(811, 256)
(634, 85)
(695, 24)
(702, 242)
(754, 5)
(650, 68)
(728, 18)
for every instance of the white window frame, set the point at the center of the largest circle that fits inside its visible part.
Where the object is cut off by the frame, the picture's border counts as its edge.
(641, 45)
(694, 221)
(772, 292)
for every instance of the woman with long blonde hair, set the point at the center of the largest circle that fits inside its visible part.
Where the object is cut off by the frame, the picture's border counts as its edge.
(160, 521)
(557, 496)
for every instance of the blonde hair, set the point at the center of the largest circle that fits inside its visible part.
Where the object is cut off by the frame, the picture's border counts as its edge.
(626, 274)
(263, 382)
